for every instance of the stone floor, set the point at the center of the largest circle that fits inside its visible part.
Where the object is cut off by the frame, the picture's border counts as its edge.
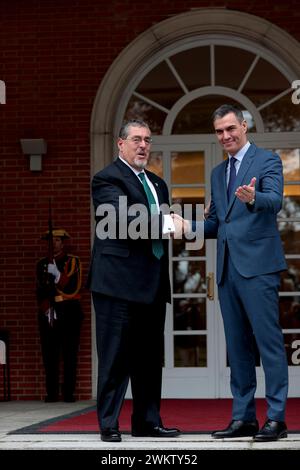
(17, 414)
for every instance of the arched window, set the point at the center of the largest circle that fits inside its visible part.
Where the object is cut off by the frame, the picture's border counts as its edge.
(178, 93)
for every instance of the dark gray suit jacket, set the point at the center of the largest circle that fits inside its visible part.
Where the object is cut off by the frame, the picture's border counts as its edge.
(126, 268)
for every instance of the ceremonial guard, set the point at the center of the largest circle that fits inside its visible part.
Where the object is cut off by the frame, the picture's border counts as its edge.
(59, 314)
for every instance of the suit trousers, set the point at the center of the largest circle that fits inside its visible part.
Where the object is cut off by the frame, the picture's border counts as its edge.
(130, 341)
(250, 307)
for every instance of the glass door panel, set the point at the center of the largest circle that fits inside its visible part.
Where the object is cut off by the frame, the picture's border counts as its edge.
(190, 357)
(190, 351)
(187, 168)
(190, 314)
(189, 276)
(289, 227)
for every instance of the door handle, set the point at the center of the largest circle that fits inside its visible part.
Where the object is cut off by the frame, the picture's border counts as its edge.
(210, 286)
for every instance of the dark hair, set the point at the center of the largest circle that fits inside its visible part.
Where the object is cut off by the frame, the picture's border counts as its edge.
(226, 109)
(124, 131)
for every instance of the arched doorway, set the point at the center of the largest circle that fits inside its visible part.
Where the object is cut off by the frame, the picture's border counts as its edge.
(175, 88)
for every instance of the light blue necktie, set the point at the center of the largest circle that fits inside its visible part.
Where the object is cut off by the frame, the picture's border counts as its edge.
(157, 245)
(232, 177)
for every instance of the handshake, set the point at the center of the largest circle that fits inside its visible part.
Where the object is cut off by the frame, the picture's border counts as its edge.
(182, 226)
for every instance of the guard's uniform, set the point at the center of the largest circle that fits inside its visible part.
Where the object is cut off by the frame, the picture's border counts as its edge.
(60, 318)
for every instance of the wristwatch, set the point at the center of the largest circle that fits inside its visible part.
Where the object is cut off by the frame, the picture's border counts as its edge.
(252, 202)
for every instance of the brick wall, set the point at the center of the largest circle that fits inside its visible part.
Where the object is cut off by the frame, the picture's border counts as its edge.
(53, 56)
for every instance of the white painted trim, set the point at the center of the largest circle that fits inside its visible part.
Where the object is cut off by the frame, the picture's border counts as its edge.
(153, 103)
(177, 76)
(209, 90)
(274, 99)
(212, 65)
(248, 73)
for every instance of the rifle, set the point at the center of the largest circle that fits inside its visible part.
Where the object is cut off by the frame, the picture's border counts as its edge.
(51, 311)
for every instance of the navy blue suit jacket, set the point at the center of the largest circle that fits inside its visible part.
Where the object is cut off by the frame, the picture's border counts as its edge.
(251, 232)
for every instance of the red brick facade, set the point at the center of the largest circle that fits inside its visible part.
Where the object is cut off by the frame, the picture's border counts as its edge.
(53, 57)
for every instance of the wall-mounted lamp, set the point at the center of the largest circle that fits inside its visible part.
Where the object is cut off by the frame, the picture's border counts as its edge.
(35, 148)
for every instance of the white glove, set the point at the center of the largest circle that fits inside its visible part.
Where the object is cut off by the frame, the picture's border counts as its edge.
(52, 269)
(51, 315)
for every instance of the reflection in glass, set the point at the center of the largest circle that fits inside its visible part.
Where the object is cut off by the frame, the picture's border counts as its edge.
(190, 351)
(188, 202)
(155, 163)
(189, 314)
(187, 167)
(290, 279)
(138, 109)
(259, 88)
(188, 196)
(179, 249)
(289, 308)
(291, 164)
(187, 65)
(161, 86)
(231, 58)
(292, 347)
(290, 236)
(282, 115)
(290, 208)
(189, 277)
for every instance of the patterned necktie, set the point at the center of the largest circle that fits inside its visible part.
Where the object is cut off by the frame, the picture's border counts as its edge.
(157, 245)
(232, 177)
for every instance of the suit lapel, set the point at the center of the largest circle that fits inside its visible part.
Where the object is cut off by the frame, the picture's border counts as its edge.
(130, 177)
(157, 187)
(223, 183)
(245, 165)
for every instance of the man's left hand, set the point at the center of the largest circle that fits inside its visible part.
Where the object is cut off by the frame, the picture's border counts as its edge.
(52, 269)
(182, 226)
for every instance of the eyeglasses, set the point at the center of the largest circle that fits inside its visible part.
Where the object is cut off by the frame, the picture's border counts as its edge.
(137, 140)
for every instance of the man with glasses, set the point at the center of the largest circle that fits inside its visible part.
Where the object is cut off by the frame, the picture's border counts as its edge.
(130, 285)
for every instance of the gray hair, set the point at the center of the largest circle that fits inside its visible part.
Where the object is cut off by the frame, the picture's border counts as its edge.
(124, 131)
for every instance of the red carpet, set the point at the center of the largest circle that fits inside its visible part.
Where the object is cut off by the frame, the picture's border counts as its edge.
(188, 415)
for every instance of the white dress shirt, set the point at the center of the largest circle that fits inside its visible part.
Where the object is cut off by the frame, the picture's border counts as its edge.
(168, 224)
(239, 157)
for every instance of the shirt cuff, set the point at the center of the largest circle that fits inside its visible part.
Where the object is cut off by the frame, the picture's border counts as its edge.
(168, 225)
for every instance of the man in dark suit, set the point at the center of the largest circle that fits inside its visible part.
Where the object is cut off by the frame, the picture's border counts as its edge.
(130, 285)
(246, 195)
